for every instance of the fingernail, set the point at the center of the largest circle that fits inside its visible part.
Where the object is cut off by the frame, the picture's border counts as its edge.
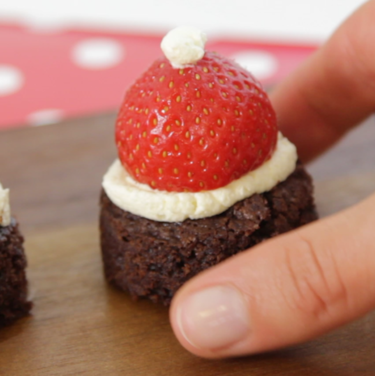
(213, 318)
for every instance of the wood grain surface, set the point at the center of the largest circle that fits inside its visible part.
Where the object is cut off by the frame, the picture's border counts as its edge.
(81, 326)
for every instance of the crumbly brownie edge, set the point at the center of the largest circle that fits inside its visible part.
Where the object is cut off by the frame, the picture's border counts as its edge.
(153, 259)
(13, 283)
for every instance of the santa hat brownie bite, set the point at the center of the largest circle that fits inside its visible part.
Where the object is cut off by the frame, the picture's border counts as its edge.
(202, 172)
(14, 302)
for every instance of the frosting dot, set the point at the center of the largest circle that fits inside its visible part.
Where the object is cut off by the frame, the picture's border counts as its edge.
(184, 46)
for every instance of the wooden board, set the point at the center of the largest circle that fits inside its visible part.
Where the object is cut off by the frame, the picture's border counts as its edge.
(81, 326)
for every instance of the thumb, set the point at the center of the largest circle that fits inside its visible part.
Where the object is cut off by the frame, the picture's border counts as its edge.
(284, 291)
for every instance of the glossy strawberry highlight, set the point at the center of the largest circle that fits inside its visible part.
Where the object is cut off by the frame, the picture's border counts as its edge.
(196, 128)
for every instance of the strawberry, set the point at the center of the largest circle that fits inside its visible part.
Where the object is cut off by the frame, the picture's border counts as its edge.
(196, 128)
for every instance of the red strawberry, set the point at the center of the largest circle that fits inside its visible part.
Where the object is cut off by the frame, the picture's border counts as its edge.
(196, 128)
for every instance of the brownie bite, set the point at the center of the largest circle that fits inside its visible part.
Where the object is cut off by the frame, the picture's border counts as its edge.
(151, 259)
(202, 173)
(13, 283)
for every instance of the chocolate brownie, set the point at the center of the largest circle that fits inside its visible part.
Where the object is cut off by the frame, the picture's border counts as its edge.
(153, 259)
(13, 283)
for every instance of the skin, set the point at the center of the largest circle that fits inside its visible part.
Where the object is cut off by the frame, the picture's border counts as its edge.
(305, 283)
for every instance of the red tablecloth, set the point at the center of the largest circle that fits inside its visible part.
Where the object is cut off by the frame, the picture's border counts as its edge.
(46, 76)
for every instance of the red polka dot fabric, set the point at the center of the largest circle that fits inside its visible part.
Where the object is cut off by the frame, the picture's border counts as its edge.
(48, 76)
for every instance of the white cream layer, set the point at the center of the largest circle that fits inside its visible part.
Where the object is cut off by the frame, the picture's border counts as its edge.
(165, 206)
(4, 207)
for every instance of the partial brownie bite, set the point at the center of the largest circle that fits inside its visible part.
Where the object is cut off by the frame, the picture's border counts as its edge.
(152, 259)
(13, 283)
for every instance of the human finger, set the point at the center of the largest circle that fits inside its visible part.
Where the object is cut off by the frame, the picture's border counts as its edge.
(333, 90)
(287, 290)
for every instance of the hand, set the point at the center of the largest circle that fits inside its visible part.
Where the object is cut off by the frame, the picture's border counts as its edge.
(304, 283)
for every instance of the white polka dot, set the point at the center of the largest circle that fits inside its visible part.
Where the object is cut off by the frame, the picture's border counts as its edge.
(98, 53)
(260, 63)
(11, 80)
(45, 117)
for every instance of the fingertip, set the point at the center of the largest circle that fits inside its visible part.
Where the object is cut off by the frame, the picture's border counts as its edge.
(282, 292)
(175, 318)
(211, 322)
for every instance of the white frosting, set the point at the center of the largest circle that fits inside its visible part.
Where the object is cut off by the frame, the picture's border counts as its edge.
(165, 206)
(184, 46)
(4, 207)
